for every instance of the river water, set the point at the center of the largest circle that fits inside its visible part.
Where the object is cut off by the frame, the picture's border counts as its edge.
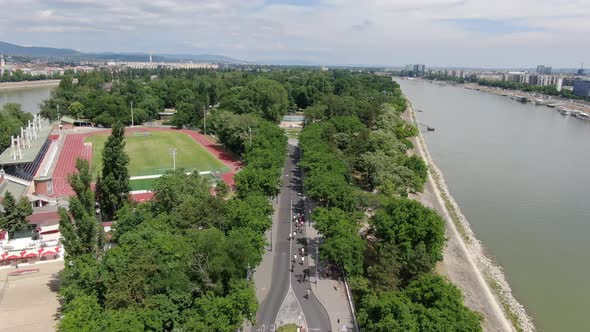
(521, 175)
(29, 98)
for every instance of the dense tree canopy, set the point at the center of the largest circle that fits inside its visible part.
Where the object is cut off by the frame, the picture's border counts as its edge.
(429, 303)
(182, 261)
(357, 170)
(12, 118)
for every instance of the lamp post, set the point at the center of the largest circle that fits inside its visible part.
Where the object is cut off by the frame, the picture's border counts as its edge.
(173, 154)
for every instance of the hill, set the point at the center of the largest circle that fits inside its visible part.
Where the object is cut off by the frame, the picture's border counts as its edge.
(35, 51)
(49, 52)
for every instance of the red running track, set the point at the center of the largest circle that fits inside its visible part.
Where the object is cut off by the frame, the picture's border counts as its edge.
(75, 148)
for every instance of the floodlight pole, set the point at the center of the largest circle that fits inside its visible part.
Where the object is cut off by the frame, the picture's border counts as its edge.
(58, 120)
(173, 153)
(132, 113)
(205, 121)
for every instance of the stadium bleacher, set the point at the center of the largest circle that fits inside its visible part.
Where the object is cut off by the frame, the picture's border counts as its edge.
(26, 171)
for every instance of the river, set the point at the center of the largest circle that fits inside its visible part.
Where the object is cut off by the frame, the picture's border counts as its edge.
(520, 174)
(29, 97)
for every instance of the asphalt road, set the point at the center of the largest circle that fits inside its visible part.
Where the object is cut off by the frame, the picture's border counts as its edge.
(284, 272)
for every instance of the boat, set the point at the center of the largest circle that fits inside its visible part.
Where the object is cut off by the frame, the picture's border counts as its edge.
(551, 105)
(574, 113)
(430, 128)
(564, 111)
(582, 115)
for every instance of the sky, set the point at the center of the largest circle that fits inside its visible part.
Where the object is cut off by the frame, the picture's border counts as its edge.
(462, 33)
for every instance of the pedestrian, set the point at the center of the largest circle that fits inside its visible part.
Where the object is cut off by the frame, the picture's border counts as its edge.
(302, 260)
(294, 258)
(290, 236)
(294, 235)
(308, 292)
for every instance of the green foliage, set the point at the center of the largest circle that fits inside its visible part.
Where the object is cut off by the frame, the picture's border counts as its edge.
(387, 312)
(114, 181)
(416, 232)
(354, 138)
(83, 314)
(420, 170)
(12, 118)
(342, 244)
(14, 217)
(264, 97)
(189, 113)
(252, 212)
(429, 303)
(180, 262)
(174, 187)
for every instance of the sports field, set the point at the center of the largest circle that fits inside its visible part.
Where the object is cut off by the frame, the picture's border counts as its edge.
(149, 153)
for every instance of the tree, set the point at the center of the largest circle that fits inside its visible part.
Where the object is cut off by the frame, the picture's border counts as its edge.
(417, 232)
(12, 118)
(115, 175)
(174, 187)
(76, 109)
(269, 98)
(384, 268)
(438, 306)
(14, 217)
(84, 314)
(342, 245)
(80, 229)
(253, 212)
(388, 311)
(420, 170)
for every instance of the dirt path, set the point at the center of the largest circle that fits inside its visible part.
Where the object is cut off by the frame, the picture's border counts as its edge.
(464, 262)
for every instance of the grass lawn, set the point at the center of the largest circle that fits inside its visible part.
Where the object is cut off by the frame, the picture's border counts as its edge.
(288, 328)
(151, 154)
(143, 184)
(148, 184)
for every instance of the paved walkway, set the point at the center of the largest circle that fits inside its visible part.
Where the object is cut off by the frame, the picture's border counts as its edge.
(29, 302)
(330, 292)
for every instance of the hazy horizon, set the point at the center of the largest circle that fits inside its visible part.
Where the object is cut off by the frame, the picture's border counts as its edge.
(438, 33)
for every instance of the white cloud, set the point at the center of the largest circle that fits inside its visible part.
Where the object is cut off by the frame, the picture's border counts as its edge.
(329, 31)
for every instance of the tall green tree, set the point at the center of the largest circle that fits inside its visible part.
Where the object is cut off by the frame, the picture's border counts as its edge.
(416, 231)
(14, 217)
(115, 175)
(342, 245)
(81, 230)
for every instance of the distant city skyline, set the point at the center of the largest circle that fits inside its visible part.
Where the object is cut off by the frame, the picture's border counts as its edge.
(451, 33)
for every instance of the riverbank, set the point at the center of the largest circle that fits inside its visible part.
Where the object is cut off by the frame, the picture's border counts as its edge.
(572, 106)
(28, 84)
(465, 264)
